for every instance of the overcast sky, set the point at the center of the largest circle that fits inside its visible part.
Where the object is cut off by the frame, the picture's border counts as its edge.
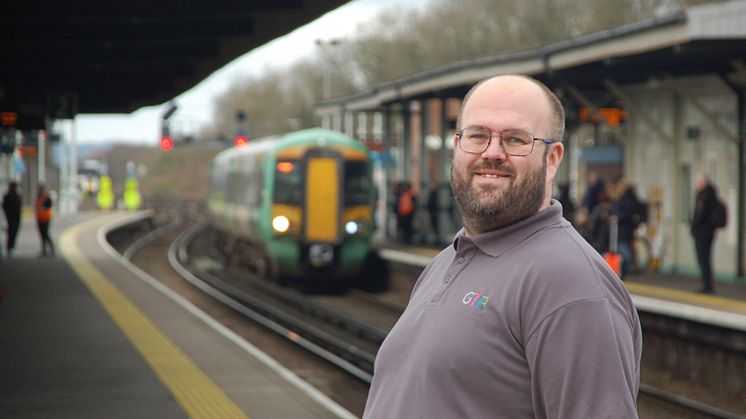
(195, 105)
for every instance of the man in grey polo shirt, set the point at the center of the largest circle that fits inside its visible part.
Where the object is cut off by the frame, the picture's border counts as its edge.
(520, 317)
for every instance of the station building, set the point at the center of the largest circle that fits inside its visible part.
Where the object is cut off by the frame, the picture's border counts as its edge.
(658, 101)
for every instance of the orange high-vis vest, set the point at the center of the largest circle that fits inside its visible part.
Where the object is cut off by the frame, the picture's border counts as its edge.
(406, 203)
(43, 214)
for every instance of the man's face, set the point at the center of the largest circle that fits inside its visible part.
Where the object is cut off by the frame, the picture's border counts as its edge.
(494, 189)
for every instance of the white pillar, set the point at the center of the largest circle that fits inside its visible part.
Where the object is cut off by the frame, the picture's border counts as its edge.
(73, 176)
(338, 122)
(378, 126)
(362, 126)
(349, 123)
(42, 158)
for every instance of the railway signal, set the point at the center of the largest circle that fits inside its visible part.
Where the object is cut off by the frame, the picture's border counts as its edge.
(167, 143)
(240, 141)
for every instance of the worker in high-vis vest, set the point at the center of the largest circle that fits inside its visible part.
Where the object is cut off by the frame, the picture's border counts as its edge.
(105, 195)
(405, 209)
(132, 199)
(43, 211)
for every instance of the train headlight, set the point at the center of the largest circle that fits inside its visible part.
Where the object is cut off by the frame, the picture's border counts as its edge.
(351, 227)
(281, 223)
(354, 227)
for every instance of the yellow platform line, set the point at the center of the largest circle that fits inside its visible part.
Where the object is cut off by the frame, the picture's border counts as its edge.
(712, 301)
(193, 390)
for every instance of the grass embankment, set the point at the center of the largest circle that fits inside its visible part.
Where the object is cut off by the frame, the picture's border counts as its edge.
(182, 172)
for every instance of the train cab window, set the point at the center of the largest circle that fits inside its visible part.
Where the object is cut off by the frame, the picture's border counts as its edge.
(288, 183)
(357, 182)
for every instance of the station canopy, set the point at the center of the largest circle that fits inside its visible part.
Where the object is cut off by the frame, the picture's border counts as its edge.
(86, 56)
(705, 39)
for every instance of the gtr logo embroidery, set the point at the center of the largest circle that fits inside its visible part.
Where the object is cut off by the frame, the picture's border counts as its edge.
(476, 300)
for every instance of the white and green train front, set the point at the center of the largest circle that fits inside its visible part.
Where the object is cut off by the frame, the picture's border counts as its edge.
(299, 205)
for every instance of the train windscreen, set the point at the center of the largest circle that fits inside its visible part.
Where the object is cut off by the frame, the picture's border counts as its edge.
(288, 183)
(357, 183)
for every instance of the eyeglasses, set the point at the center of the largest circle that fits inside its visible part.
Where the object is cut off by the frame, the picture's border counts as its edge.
(475, 140)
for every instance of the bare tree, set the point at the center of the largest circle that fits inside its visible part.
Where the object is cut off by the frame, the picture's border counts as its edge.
(403, 41)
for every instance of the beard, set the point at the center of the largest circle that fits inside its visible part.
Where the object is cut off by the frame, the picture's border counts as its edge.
(497, 207)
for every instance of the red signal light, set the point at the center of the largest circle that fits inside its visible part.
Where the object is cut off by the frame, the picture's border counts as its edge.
(167, 143)
(240, 141)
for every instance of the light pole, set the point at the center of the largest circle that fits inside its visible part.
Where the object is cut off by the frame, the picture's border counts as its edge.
(326, 46)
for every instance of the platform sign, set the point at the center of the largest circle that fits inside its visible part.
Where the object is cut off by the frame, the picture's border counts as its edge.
(8, 119)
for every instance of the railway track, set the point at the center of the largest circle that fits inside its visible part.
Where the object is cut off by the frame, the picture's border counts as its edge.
(325, 326)
(348, 342)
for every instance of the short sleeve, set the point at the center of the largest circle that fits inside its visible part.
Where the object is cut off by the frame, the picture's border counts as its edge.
(583, 363)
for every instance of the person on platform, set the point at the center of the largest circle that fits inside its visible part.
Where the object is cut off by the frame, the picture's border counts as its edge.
(703, 229)
(12, 210)
(625, 204)
(43, 211)
(405, 210)
(519, 317)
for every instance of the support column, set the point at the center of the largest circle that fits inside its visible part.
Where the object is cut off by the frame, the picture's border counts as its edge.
(42, 158)
(741, 182)
(389, 170)
(424, 153)
(444, 138)
(405, 139)
(338, 121)
(675, 168)
(349, 123)
(737, 82)
(73, 184)
(363, 131)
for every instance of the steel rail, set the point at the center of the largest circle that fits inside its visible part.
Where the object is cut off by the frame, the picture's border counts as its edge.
(689, 404)
(151, 236)
(310, 338)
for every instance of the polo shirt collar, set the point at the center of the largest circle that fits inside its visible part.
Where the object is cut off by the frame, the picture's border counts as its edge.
(495, 243)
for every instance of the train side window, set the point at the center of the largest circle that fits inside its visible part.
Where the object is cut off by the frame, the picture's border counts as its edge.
(357, 182)
(231, 187)
(256, 195)
(288, 183)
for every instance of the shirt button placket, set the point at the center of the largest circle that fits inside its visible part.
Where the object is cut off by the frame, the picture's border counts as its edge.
(452, 272)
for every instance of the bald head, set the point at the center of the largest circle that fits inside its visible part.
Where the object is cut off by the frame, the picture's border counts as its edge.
(521, 86)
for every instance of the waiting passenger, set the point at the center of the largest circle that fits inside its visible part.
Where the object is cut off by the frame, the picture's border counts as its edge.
(519, 317)
(405, 210)
(706, 219)
(43, 210)
(624, 209)
(12, 210)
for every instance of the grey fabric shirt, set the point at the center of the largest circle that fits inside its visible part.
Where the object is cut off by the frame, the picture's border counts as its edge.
(524, 322)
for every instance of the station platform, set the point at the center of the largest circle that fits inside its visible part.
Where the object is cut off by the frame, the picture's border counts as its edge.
(663, 292)
(81, 336)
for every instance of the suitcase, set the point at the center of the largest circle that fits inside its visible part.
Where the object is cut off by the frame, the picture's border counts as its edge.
(613, 257)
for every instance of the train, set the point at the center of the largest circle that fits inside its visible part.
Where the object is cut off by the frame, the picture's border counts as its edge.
(299, 205)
